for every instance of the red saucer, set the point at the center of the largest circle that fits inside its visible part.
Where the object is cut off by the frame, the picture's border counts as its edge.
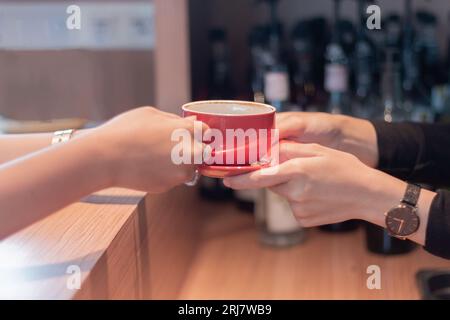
(228, 171)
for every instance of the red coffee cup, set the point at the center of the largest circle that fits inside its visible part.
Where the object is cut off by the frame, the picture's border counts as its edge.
(240, 131)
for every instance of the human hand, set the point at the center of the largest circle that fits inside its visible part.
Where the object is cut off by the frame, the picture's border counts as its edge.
(348, 134)
(138, 149)
(326, 186)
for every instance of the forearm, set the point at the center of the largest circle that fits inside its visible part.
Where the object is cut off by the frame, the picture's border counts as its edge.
(38, 184)
(13, 146)
(16, 145)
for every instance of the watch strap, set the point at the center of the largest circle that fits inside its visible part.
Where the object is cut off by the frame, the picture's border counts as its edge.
(412, 194)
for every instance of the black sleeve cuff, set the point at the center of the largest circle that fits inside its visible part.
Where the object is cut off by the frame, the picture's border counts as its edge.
(400, 146)
(438, 229)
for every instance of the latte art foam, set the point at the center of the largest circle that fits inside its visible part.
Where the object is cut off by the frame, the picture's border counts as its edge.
(229, 108)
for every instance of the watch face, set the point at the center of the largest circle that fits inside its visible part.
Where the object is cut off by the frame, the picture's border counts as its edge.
(402, 221)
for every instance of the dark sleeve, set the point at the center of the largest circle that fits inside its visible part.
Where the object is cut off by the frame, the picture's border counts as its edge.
(415, 152)
(421, 153)
(438, 229)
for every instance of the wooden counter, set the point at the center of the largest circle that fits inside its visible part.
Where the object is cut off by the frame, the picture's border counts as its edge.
(126, 245)
(132, 246)
(231, 264)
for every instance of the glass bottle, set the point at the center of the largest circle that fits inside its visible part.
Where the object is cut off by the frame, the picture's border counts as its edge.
(337, 84)
(378, 239)
(303, 85)
(365, 104)
(276, 222)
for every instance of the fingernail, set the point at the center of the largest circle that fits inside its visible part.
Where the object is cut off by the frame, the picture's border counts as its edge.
(226, 182)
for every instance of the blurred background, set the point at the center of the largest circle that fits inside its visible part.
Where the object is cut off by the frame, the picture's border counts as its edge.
(304, 39)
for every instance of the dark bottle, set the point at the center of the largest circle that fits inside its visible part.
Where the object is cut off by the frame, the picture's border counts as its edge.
(337, 69)
(337, 84)
(428, 49)
(219, 88)
(377, 239)
(259, 60)
(430, 71)
(276, 77)
(393, 31)
(448, 49)
(319, 29)
(365, 86)
(391, 88)
(414, 91)
(219, 77)
(303, 85)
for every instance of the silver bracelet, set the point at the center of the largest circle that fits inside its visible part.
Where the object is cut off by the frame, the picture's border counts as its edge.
(194, 179)
(62, 136)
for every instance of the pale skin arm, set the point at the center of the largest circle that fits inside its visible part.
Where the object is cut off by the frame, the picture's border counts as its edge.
(125, 152)
(33, 186)
(13, 146)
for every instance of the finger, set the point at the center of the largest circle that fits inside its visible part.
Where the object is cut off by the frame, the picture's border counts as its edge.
(256, 180)
(290, 124)
(298, 210)
(290, 150)
(292, 190)
(192, 123)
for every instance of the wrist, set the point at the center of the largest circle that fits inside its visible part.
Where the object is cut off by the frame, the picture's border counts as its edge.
(101, 160)
(383, 192)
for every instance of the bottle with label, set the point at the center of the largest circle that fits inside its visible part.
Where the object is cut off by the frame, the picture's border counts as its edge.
(336, 70)
(391, 88)
(276, 77)
(377, 239)
(276, 87)
(276, 222)
(337, 83)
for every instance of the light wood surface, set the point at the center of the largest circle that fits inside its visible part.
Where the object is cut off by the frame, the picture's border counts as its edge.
(126, 246)
(231, 264)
